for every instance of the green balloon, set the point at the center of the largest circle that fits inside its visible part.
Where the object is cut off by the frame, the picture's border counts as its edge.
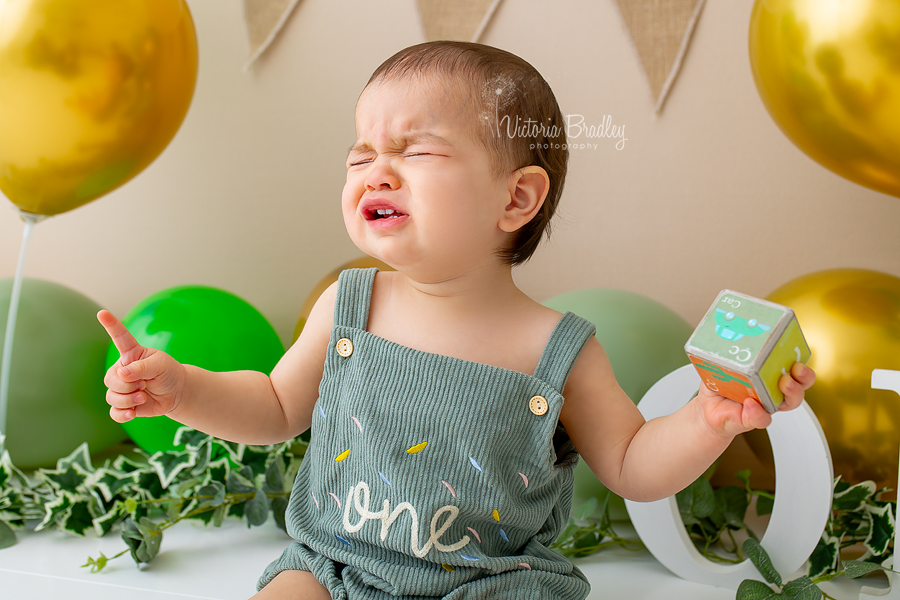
(201, 326)
(644, 341)
(57, 399)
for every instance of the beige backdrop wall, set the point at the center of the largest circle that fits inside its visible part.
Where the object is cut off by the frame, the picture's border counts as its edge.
(706, 196)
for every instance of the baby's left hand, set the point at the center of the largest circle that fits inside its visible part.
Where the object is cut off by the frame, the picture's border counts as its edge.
(729, 418)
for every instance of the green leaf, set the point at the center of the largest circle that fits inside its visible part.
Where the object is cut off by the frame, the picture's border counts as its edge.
(274, 477)
(142, 540)
(218, 516)
(105, 523)
(236, 510)
(697, 501)
(54, 510)
(255, 457)
(750, 589)
(96, 564)
(219, 469)
(127, 464)
(840, 485)
(257, 509)
(7, 535)
(204, 456)
(190, 438)
(170, 463)
(853, 497)
(858, 568)
(80, 456)
(567, 534)
(826, 557)
(214, 489)
(761, 561)
(111, 481)
(71, 478)
(585, 510)
(732, 501)
(241, 482)
(78, 518)
(802, 588)
(279, 508)
(173, 510)
(233, 449)
(881, 532)
(764, 505)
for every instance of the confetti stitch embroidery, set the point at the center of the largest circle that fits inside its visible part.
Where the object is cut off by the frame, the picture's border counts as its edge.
(335, 499)
(449, 568)
(476, 465)
(526, 565)
(321, 412)
(467, 557)
(496, 515)
(358, 424)
(383, 478)
(525, 479)
(417, 448)
(503, 535)
(314, 500)
(452, 491)
(475, 533)
(343, 540)
(342, 456)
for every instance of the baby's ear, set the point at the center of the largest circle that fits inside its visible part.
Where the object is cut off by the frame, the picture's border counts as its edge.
(528, 187)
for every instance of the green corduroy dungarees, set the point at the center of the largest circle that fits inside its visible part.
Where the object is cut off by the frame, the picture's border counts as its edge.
(430, 476)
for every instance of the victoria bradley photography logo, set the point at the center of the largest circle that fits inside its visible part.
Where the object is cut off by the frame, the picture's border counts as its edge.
(502, 91)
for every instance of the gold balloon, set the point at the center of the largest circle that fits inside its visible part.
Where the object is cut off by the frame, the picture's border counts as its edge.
(91, 91)
(828, 71)
(851, 320)
(364, 262)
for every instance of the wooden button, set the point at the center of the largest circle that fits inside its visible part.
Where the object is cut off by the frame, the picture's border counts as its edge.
(538, 405)
(344, 347)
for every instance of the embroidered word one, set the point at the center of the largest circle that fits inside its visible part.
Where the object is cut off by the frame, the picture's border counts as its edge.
(358, 499)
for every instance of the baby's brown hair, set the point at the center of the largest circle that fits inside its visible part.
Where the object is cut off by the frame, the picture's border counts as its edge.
(518, 118)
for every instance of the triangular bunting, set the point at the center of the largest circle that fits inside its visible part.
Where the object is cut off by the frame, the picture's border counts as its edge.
(661, 31)
(461, 20)
(264, 19)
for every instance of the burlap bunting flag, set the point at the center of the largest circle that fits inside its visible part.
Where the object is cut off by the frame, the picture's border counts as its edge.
(264, 19)
(661, 31)
(461, 20)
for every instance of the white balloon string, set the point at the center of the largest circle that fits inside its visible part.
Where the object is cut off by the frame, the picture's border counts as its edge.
(6, 364)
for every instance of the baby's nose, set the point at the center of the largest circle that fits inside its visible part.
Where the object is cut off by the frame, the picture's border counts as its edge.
(382, 177)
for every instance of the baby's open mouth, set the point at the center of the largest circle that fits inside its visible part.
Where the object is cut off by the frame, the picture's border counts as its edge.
(385, 213)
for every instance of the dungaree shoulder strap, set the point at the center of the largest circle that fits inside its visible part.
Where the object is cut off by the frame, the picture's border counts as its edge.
(568, 338)
(354, 294)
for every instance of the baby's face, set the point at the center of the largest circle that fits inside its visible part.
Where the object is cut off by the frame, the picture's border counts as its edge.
(415, 155)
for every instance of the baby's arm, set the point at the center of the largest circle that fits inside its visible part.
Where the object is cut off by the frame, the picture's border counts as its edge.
(648, 461)
(241, 406)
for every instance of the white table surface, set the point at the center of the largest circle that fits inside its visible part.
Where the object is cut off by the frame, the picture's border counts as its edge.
(224, 564)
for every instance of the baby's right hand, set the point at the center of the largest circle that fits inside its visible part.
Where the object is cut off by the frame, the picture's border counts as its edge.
(144, 382)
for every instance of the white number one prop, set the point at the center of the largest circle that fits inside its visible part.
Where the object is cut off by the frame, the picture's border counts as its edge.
(882, 379)
(803, 481)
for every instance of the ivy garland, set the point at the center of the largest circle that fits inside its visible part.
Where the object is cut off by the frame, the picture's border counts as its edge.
(859, 516)
(212, 479)
(209, 480)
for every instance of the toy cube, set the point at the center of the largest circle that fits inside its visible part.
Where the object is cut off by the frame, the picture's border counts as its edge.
(744, 345)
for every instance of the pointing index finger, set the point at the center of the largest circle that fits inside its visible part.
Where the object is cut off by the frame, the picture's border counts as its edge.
(121, 337)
